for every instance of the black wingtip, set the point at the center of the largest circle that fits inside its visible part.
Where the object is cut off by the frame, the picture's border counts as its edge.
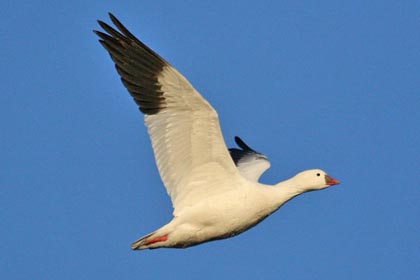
(242, 144)
(137, 64)
(112, 17)
(103, 24)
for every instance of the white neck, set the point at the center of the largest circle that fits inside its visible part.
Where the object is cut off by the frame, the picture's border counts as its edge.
(286, 190)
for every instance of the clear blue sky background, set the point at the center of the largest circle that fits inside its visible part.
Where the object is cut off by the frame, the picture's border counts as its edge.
(329, 84)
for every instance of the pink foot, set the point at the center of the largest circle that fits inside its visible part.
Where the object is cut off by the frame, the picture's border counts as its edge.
(157, 239)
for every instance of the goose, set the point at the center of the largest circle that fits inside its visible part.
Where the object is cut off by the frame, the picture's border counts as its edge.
(214, 191)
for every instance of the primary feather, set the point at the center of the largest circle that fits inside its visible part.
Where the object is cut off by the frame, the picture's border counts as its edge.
(251, 164)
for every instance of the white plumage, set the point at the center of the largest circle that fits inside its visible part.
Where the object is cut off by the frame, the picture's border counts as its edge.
(212, 198)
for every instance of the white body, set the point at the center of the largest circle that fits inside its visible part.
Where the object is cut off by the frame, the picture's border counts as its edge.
(223, 215)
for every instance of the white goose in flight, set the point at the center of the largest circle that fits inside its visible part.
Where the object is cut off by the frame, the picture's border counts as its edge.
(212, 198)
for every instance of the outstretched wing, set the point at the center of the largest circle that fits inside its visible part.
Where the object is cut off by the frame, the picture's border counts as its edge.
(184, 129)
(250, 163)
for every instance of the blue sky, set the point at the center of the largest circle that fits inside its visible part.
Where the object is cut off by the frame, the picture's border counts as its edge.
(329, 84)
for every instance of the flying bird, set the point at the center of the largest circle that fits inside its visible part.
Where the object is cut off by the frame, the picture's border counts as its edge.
(214, 191)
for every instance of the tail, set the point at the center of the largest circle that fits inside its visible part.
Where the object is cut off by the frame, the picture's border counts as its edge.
(139, 244)
(148, 241)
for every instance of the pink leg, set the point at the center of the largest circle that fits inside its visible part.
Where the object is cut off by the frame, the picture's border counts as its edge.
(157, 239)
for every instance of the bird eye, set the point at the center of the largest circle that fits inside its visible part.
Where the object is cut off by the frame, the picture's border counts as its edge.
(317, 174)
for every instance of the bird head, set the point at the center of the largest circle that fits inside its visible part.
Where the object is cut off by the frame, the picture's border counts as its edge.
(315, 179)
